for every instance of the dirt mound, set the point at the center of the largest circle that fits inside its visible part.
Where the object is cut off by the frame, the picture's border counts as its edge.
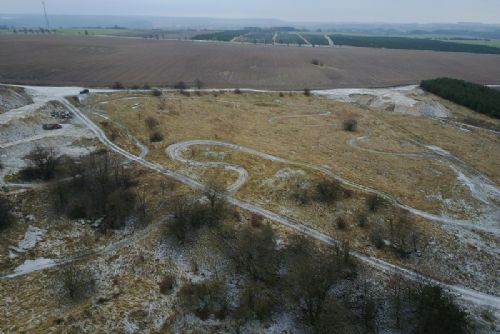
(13, 98)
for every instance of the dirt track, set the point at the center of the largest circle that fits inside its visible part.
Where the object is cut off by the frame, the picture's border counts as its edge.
(56, 60)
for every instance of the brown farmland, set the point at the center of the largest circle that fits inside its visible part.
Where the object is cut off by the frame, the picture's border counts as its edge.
(56, 60)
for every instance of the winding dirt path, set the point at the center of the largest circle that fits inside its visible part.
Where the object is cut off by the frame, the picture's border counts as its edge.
(480, 187)
(175, 153)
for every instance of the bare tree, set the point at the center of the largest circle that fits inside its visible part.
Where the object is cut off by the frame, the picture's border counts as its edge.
(215, 192)
(151, 122)
(142, 204)
(76, 282)
(181, 85)
(6, 216)
(43, 163)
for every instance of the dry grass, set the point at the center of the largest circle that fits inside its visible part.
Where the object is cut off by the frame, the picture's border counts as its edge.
(29, 303)
(252, 120)
(262, 122)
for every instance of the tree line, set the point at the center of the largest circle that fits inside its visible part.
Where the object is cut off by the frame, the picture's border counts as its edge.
(479, 98)
(411, 44)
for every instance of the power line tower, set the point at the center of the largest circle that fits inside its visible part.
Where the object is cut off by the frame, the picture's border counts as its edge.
(47, 24)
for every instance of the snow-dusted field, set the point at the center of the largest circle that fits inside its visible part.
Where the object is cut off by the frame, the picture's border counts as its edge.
(17, 141)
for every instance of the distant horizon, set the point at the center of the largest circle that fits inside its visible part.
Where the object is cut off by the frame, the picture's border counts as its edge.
(318, 11)
(7, 16)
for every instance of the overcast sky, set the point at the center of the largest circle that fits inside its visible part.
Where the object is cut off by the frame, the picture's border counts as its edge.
(424, 11)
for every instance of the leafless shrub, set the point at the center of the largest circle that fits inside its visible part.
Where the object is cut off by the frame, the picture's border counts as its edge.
(167, 284)
(341, 224)
(300, 193)
(256, 301)
(114, 135)
(205, 299)
(328, 191)
(256, 220)
(309, 282)
(362, 219)
(157, 92)
(181, 85)
(76, 282)
(375, 203)
(42, 164)
(156, 137)
(350, 125)
(6, 216)
(307, 92)
(151, 122)
(118, 85)
(190, 216)
(376, 237)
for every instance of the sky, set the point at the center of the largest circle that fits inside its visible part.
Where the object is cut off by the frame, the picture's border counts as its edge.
(393, 11)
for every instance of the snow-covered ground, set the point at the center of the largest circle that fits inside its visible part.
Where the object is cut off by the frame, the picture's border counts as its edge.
(32, 236)
(398, 99)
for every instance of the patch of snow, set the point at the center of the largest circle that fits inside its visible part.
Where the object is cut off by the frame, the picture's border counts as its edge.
(378, 98)
(32, 265)
(283, 175)
(478, 186)
(31, 237)
(214, 155)
(129, 326)
(433, 109)
(439, 151)
(395, 99)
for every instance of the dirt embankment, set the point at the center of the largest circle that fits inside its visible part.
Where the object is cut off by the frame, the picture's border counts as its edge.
(13, 98)
(57, 60)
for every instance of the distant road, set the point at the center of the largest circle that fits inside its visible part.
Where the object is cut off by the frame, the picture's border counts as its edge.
(101, 61)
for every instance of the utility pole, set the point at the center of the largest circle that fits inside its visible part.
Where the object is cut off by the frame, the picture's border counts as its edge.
(47, 24)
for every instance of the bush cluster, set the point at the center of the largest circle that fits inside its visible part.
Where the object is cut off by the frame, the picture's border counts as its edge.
(76, 282)
(350, 125)
(205, 299)
(191, 215)
(156, 137)
(42, 164)
(99, 187)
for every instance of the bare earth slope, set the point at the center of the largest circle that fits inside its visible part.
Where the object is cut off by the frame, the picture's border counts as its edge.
(56, 60)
